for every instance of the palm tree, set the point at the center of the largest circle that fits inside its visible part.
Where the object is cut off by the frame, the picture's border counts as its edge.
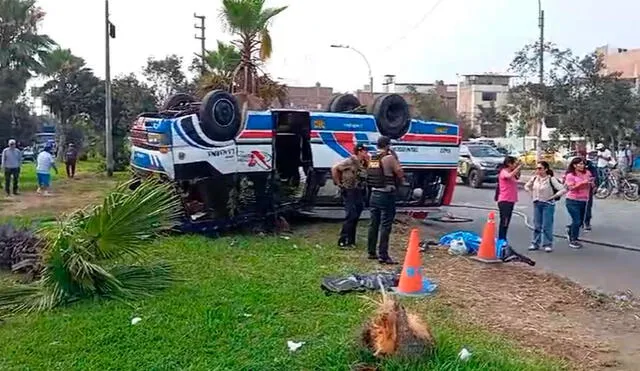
(249, 20)
(224, 60)
(22, 49)
(85, 251)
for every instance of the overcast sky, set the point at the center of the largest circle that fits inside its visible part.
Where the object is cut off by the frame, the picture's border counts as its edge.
(457, 37)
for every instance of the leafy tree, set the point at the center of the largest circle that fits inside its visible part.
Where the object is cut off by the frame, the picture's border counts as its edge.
(22, 49)
(221, 62)
(16, 122)
(72, 90)
(249, 21)
(165, 76)
(493, 122)
(430, 106)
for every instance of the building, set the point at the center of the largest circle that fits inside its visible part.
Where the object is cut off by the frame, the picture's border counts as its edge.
(312, 98)
(479, 95)
(625, 61)
(447, 92)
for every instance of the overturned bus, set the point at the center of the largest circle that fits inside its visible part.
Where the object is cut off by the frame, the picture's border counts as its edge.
(232, 166)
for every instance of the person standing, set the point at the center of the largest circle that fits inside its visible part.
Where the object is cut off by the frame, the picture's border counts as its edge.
(507, 193)
(350, 175)
(383, 173)
(545, 190)
(624, 159)
(11, 163)
(44, 163)
(70, 159)
(578, 181)
(604, 160)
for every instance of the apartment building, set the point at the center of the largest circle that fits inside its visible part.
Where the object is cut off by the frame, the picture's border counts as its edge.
(489, 91)
(623, 60)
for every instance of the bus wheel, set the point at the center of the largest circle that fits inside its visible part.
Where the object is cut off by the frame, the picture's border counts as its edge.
(344, 103)
(220, 116)
(392, 115)
(178, 101)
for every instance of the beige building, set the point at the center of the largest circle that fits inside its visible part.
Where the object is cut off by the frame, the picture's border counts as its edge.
(482, 90)
(625, 61)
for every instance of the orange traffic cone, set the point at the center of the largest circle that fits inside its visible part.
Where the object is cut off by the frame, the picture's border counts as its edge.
(411, 281)
(487, 250)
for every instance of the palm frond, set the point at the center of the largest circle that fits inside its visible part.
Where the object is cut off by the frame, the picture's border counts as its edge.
(265, 45)
(136, 280)
(28, 298)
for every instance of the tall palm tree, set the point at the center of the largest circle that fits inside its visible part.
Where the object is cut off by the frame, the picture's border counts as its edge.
(224, 60)
(249, 20)
(22, 49)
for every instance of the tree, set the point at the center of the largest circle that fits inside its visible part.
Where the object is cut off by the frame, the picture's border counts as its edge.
(430, 106)
(222, 61)
(72, 90)
(165, 76)
(579, 97)
(493, 122)
(249, 21)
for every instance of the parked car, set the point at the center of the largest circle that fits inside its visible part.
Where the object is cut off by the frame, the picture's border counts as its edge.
(529, 158)
(28, 154)
(478, 164)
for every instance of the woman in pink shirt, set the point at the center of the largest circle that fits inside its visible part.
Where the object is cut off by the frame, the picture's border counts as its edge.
(578, 181)
(507, 193)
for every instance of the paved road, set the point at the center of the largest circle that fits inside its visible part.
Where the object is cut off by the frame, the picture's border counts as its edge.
(603, 268)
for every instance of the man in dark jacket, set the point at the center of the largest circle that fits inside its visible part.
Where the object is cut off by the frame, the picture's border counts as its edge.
(350, 175)
(70, 159)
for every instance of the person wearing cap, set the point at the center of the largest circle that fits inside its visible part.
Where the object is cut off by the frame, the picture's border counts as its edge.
(44, 163)
(70, 159)
(383, 173)
(604, 160)
(350, 175)
(11, 163)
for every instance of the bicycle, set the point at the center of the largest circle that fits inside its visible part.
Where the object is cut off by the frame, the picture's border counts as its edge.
(629, 188)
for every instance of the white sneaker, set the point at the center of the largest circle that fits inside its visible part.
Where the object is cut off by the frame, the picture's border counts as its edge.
(38, 191)
(47, 194)
(548, 249)
(533, 248)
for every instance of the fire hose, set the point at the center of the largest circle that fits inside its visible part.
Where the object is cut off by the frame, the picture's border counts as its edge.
(531, 227)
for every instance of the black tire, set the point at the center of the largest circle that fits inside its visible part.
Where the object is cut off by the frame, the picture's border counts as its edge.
(178, 101)
(344, 103)
(632, 193)
(333, 98)
(220, 116)
(392, 115)
(474, 179)
(604, 190)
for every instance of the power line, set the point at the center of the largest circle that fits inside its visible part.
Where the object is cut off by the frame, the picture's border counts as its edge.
(424, 18)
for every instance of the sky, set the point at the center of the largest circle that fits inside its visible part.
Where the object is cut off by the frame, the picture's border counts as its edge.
(416, 40)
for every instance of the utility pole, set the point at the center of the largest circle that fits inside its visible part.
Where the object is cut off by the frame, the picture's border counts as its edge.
(110, 32)
(540, 104)
(202, 39)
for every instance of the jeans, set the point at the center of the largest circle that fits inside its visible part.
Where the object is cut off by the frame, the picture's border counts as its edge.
(506, 210)
(543, 213)
(576, 209)
(382, 207)
(71, 169)
(353, 205)
(13, 173)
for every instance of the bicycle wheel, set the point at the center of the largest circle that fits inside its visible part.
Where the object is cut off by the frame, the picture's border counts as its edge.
(631, 191)
(604, 190)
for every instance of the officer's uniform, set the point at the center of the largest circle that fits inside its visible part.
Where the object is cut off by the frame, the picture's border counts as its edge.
(382, 205)
(353, 185)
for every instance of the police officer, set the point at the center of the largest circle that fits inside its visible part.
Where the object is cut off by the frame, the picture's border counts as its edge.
(350, 175)
(383, 173)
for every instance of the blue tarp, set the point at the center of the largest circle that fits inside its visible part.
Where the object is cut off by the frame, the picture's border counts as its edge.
(471, 240)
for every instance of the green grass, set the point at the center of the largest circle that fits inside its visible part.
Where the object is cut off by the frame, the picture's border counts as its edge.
(240, 300)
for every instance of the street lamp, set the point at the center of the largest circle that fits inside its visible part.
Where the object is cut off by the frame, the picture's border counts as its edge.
(541, 56)
(365, 60)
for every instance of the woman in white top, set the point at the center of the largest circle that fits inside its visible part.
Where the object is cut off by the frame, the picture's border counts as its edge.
(545, 191)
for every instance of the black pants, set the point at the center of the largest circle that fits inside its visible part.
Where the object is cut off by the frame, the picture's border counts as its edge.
(71, 169)
(506, 210)
(382, 207)
(587, 212)
(353, 204)
(9, 174)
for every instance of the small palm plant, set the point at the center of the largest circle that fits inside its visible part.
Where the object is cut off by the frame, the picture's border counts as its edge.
(86, 253)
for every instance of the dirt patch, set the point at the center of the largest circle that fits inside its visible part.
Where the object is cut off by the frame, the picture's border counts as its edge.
(67, 195)
(540, 311)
